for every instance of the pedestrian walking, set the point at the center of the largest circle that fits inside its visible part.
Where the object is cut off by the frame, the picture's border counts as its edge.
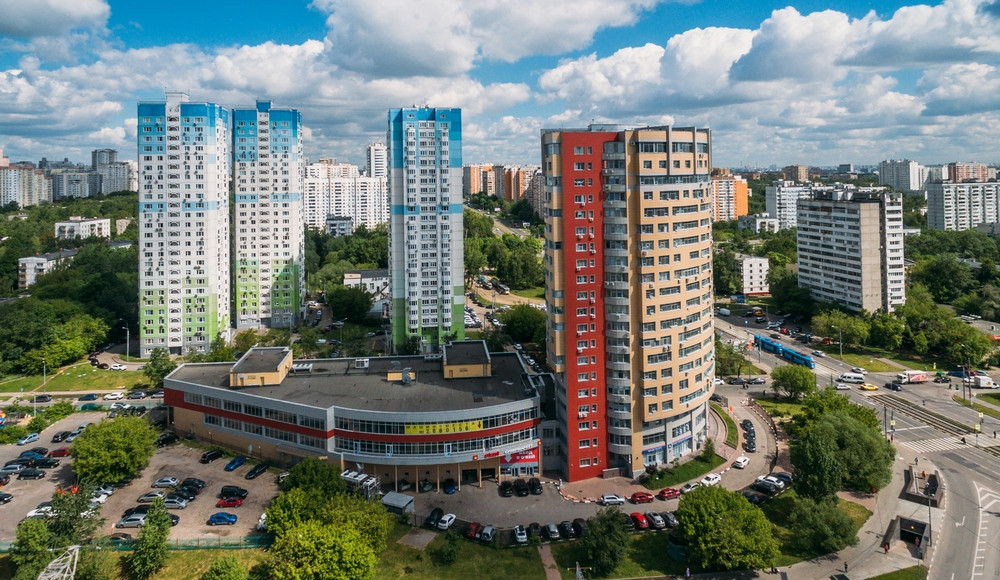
(916, 461)
(845, 567)
(687, 573)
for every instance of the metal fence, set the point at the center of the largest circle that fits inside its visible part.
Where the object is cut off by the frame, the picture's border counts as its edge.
(261, 541)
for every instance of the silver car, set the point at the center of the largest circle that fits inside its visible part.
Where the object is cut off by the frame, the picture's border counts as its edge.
(150, 496)
(132, 521)
(175, 503)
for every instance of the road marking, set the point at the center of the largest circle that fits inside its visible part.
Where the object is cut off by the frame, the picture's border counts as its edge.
(961, 523)
(986, 498)
(936, 444)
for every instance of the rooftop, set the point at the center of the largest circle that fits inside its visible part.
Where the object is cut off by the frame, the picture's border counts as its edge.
(261, 360)
(466, 352)
(340, 382)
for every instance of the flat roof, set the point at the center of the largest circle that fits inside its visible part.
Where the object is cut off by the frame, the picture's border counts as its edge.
(261, 360)
(467, 352)
(337, 382)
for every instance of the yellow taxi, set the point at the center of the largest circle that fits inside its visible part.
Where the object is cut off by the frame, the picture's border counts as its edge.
(868, 387)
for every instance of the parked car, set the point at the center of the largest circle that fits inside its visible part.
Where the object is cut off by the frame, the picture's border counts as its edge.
(256, 470)
(736, 380)
(184, 494)
(166, 438)
(165, 482)
(88, 397)
(580, 526)
(487, 535)
(60, 436)
(236, 462)
(229, 502)
(668, 493)
(765, 487)
(12, 469)
(175, 503)
(31, 473)
(41, 399)
(132, 521)
(750, 446)
(473, 530)
(114, 396)
(741, 462)
(118, 367)
(233, 491)
(566, 529)
(771, 479)
(641, 497)
(535, 486)
(46, 463)
(28, 439)
(612, 499)
(151, 496)
(552, 531)
(756, 381)
(211, 455)
(689, 487)
(711, 479)
(506, 489)
(670, 519)
(784, 477)
(449, 486)
(446, 521)
(752, 497)
(136, 395)
(640, 521)
(222, 519)
(521, 488)
(655, 520)
(193, 482)
(520, 535)
(747, 425)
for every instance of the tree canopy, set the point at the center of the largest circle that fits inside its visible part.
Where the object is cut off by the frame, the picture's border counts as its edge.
(606, 541)
(524, 323)
(312, 550)
(793, 380)
(113, 450)
(723, 531)
(159, 366)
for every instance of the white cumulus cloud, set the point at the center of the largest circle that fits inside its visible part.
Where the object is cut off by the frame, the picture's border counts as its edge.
(21, 19)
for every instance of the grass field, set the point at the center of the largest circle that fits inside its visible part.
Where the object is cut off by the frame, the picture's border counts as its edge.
(780, 407)
(647, 556)
(693, 469)
(181, 564)
(732, 436)
(984, 409)
(777, 511)
(536, 293)
(78, 377)
(990, 398)
(911, 573)
(475, 560)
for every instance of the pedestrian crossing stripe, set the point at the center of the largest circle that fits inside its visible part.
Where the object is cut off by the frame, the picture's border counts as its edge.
(938, 444)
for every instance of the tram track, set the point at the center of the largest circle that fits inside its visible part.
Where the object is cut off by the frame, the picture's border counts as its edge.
(937, 421)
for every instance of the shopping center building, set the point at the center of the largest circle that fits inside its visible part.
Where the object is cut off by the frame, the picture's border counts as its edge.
(467, 414)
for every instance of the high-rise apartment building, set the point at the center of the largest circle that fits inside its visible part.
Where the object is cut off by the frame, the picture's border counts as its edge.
(376, 160)
(730, 195)
(339, 189)
(426, 245)
(118, 176)
(268, 241)
(902, 174)
(962, 206)
(752, 271)
(99, 157)
(628, 269)
(24, 185)
(780, 199)
(963, 172)
(472, 179)
(184, 266)
(75, 184)
(797, 173)
(850, 248)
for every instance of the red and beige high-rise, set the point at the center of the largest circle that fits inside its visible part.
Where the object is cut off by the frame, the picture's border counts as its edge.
(628, 264)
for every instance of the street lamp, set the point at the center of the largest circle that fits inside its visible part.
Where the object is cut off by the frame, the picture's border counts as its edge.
(840, 341)
(127, 340)
(45, 377)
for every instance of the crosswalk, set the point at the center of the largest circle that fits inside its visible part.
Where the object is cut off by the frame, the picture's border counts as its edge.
(937, 444)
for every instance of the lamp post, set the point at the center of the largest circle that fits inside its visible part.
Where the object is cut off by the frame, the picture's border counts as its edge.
(840, 341)
(45, 378)
(127, 340)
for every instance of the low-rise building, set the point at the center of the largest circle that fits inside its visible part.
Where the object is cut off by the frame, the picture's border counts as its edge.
(466, 414)
(375, 282)
(77, 227)
(759, 223)
(753, 274)
(31, 267)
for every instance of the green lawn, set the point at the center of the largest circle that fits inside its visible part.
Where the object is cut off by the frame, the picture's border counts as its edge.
(911, 573)
(536, 293)
(475, 560)
(181, 564)
(779, 407)
(693, 469)
(732, 436)
(984, 409)
(646, 557)
(78, 377)
(990, 398)
(777, 511)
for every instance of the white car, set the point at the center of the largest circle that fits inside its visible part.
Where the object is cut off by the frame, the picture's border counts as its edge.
(772, 480)
(612, 499)
(114, 396)
(741, 462)
(44, 511)
(99, 498)
(118, 367)
(718, 381)
(859, 370)
(842, 387)
(445, 522)
(818, 353)
(711, 479)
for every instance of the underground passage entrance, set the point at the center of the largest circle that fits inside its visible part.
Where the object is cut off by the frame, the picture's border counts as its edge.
(911, 531)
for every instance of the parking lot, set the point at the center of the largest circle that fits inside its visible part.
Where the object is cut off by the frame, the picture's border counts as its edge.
(177, 460)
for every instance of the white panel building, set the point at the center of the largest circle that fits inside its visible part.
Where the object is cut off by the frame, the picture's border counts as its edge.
(850, 249)
(184, 254)
(962, 206)
(781, 198)
(24, 185)
(340, 190)
(902, 174)
(753, 274)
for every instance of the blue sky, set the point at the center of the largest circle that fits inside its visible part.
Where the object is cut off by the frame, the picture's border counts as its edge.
(778, 82)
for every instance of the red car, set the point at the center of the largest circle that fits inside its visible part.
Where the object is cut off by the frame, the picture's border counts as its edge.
(668, 493)
(61, 452)
(229, 502)
(473, 530)
(641, 497)
(640, 521)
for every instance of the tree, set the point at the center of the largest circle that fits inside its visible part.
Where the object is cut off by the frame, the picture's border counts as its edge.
(723, 531)
(728, 360)
(727, 280)
(30, 550)
(113, 450)
(97, 562)
(819, 475)
(314, 476)
(72, 523)
(226, 567)
(818, 526)
(410, 347)
(447, 554)
(863, 452)
(149, 552)
(368, 517)
(524, 323)
(606, 541)
(290, 509)
(158, 367)
(886, 331)
(312, 550)
(349, 302)
(835, 323)
(794, 380)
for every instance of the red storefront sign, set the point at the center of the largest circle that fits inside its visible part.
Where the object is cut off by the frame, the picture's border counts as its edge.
(529, 456)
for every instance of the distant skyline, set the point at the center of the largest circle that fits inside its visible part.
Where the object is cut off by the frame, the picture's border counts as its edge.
(802, 82)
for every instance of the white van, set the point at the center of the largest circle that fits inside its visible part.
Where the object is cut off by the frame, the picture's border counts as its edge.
(856, 378)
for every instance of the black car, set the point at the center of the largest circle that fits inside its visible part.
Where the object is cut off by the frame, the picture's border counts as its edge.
(753, 498)
(629, 524)
(434, 517)
(41, 398)
(521, 488)
(193, 482)
(233, 491)
(747, 424)
(942, 380)
(670, 519)
(580, 526)
(566, 528)
(5, 497)
(750, 446)
(535, 486)
(756, 381)
(256, 470)
(139, 509)
(894, 386)
(25, 461)
(506, 489)
(211, 455)
(535, 530)
(174, 519)
(166, 438)
(31, 473)
(190, 489)
(47, 463)
(185, 494)
(60, 436)
(736, 381)
(765, 487)
(785, 477)
(88, 397)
